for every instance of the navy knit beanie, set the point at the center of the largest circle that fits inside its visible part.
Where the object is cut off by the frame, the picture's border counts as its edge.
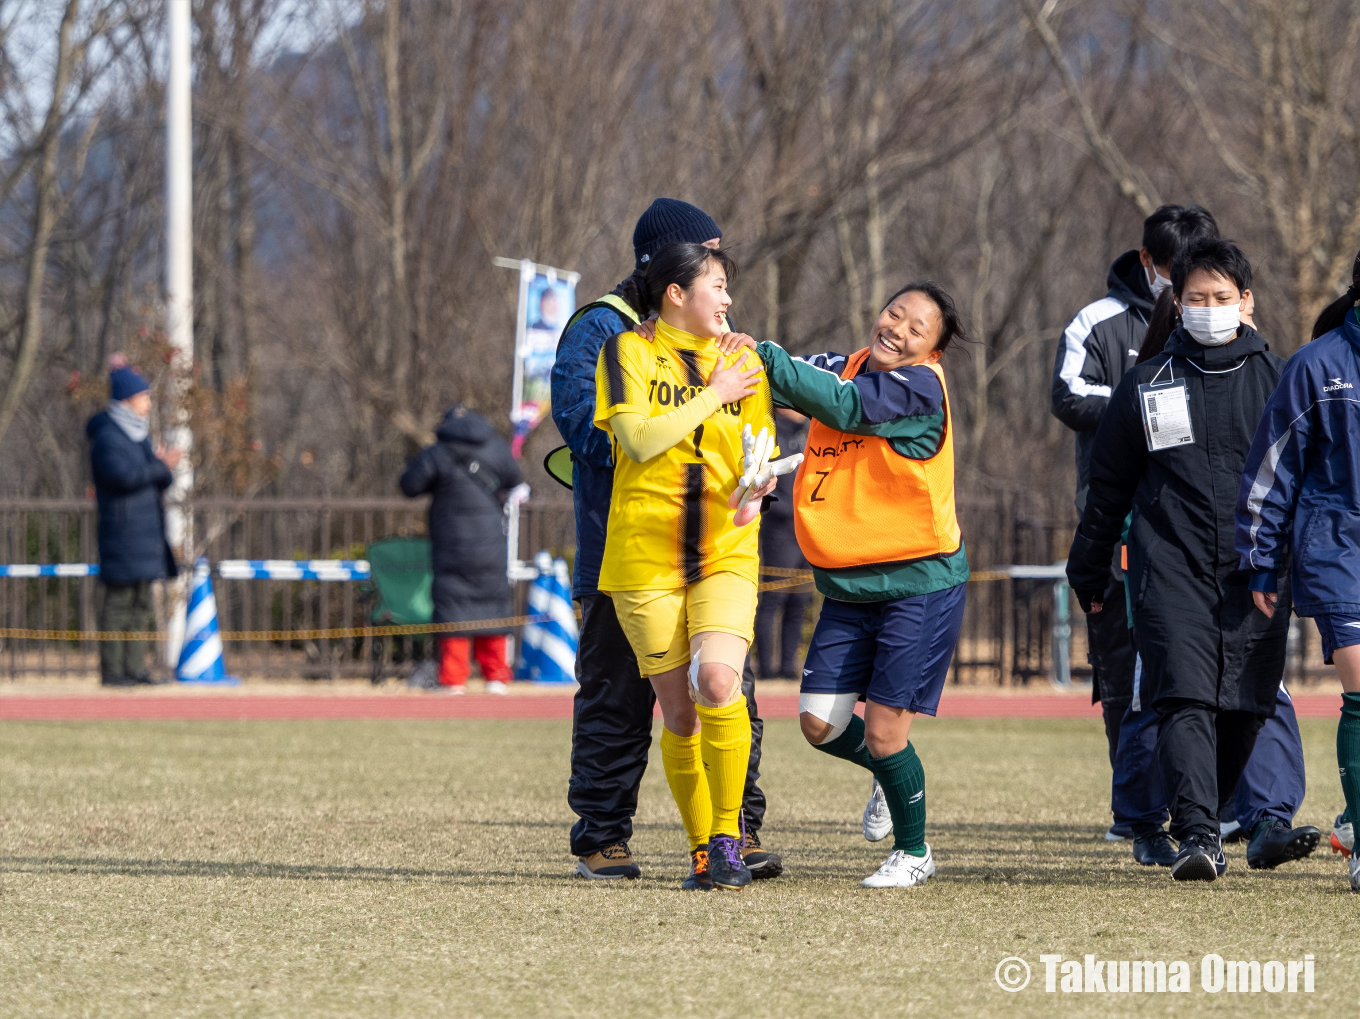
(125, 382)
(666, 221)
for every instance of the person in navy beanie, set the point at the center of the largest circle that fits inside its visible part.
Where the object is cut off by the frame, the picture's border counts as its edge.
(668, 220)
(129, 479)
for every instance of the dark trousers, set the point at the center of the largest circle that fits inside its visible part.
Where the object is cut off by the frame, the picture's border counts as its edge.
(124, 607)
(779, 547)
(788, 608)
(1272, 784)
(611, 734)
(1201, 750)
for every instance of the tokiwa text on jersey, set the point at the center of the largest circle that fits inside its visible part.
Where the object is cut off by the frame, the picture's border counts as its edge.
(663, 394)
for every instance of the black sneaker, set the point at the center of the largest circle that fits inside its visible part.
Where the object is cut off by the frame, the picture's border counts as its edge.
(117, 680)
(725, 866)
(1155, 849)
(1274, 842)
(699, 879)
(1200, 859)
(611, 863)
(760, 861)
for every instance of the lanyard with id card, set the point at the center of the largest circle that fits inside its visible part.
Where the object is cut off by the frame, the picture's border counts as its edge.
(1166, 411)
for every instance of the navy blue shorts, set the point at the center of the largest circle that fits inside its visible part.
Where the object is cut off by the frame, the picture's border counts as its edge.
(1337, 631)
(894, 652)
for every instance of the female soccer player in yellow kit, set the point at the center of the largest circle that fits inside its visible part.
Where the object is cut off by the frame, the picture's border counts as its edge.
(680, 565)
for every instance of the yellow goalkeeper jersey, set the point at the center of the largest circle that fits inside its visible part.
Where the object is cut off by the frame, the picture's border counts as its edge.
(669, 524)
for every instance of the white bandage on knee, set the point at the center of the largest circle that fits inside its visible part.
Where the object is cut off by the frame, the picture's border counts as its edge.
(836, 709)
(696, 660)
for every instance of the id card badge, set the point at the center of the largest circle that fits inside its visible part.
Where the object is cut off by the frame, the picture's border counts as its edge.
(1166, 412)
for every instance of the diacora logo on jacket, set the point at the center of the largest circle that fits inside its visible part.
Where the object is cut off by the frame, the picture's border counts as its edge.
(1335, 385)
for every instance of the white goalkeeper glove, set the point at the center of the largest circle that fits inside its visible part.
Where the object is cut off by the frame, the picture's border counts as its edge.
(757, 469)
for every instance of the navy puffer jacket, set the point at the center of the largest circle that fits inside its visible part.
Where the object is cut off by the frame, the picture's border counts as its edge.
(128, 481)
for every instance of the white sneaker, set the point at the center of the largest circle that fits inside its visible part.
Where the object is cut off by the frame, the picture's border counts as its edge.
(902, 870)
(450, 691)
(495, 686)
(877, 820)
(1354, 863)
(1343, 836)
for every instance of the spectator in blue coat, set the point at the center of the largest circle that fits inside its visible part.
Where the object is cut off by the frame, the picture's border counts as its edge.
(129, 479)
(612, 715)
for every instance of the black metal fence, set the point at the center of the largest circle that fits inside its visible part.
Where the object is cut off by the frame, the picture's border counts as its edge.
(1007, 636)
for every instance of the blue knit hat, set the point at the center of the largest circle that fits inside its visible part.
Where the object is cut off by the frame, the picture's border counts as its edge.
(666, 221)
(125, 382)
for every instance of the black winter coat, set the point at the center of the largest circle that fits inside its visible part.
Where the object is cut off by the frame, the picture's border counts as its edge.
(468, 471)
(128, 481)
(1198, 634)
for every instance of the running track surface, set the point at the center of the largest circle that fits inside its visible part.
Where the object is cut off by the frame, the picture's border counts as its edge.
(208, 706)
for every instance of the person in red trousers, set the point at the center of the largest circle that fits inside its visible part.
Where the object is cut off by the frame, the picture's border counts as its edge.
(468, 473)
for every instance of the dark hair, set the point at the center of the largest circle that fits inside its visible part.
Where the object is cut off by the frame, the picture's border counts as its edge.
(1213, 255)
(1165, 318)
(634, 291)
(950, 327)
(682, 262)
(1173, 228)
(1335, 313)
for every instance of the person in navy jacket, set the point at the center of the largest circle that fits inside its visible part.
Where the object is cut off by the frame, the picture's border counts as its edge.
(129, 479)
(1300, 500)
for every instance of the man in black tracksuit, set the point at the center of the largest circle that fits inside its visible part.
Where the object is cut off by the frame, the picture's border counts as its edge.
(1095, 350)
(1171, 449)
(612, 716)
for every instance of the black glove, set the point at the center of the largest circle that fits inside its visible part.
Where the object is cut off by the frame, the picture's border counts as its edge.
(1087, 598)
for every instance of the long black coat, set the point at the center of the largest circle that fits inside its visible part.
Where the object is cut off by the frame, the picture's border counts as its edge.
(128, 481)
(1199, 636)
(468, 471)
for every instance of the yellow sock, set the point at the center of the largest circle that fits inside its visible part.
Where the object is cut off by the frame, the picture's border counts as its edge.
(689, 785)
(725, 745)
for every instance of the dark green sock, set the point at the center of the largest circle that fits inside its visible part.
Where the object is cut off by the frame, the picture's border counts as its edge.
(904, 785)
(1348, 752)
(849, 745)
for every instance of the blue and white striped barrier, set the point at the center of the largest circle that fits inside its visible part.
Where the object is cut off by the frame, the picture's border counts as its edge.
(228, 569)
(549, 647)
(49, 570)
(293, 569)
(200, 657)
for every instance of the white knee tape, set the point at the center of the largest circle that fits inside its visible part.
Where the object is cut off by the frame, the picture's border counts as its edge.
(836, 709)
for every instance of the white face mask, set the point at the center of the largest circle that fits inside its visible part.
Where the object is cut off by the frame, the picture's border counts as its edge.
(1212, 327)
(1158, 283)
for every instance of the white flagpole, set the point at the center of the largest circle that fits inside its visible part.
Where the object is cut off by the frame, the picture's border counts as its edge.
(179, 300)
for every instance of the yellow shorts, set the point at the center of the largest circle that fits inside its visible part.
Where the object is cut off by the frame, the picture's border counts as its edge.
(659, 624)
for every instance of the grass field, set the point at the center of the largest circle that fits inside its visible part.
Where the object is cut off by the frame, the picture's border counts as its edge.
(420, 869)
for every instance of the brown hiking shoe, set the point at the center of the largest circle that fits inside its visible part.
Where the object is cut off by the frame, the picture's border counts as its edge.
(760, 862)
(609, 864)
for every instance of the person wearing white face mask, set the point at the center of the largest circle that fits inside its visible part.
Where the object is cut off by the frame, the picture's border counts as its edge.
(1096, 348)
(1171, 448)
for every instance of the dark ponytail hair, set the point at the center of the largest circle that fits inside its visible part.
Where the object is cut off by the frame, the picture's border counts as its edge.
(951, 326)
(634, 291)
(1165, 318)
(682, 262)
(1335, 313)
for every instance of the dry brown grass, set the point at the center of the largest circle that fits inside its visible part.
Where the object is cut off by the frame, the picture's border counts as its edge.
(420, 868)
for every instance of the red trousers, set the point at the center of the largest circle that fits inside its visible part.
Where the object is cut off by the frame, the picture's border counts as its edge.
(455, 665)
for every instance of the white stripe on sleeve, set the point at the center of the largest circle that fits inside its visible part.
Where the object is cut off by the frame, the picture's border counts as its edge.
(1075, 336)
